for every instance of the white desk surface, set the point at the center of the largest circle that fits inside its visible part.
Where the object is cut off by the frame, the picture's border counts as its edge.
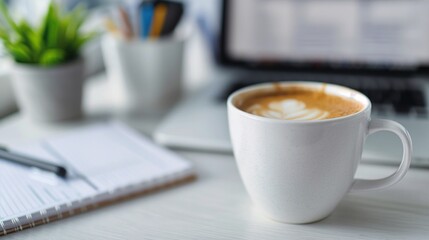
(216, 206)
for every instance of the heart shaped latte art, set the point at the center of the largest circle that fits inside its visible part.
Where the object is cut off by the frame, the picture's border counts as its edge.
(288, 109)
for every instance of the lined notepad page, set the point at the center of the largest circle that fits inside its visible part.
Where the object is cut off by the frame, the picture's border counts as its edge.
(104, 160)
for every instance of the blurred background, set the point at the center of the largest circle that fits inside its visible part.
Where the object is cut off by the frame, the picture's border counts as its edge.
(353, 36)
(201, 16)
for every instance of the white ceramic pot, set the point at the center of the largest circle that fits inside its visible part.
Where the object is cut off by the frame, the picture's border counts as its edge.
(49, 94)
(144, 76)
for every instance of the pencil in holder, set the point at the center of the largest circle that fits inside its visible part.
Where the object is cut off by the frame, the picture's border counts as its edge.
(144, 75)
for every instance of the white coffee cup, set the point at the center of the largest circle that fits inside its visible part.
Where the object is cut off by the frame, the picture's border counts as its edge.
(298, 171)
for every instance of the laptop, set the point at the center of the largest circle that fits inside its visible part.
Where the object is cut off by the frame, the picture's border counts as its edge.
(376, 47)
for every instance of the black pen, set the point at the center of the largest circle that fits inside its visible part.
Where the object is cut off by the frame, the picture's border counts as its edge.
(32, 162)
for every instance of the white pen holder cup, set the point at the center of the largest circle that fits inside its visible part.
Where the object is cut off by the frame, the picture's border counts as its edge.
(144, 75)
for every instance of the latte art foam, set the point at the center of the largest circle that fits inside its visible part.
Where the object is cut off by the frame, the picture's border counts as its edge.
(288, 109)
(299, 103)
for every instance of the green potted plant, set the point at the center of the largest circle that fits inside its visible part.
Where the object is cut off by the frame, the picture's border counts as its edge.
(48, 72)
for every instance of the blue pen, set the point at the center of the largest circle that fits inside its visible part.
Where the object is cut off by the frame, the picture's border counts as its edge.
(146, 15)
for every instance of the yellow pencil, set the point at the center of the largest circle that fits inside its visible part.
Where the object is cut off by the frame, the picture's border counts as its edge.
(111, 26)
(159, 15)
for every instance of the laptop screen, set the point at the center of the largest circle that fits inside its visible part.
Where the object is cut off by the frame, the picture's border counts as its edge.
(329, 34)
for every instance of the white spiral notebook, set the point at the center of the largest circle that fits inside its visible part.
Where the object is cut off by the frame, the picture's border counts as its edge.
(107, 162)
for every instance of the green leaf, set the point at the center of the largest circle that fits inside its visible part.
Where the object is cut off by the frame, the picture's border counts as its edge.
(62, 31)
(19, 51)
(57, 39)
(52, 36)
(52, 57)
(74, 21)
(4, 34)
(45, 27)
(27, 35)
(35, 41)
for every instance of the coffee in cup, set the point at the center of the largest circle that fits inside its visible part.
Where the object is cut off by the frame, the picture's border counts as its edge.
(298, 102)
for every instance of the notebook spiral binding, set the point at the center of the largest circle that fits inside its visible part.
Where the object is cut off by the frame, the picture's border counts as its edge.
(80, 206)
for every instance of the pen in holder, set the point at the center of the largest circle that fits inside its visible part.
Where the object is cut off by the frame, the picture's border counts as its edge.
(144, 75)
(143, 55)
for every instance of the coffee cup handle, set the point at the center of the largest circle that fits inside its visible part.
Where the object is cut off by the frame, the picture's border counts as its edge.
(377, 125)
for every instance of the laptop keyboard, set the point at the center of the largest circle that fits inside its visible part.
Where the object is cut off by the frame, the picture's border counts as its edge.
(387, 97)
